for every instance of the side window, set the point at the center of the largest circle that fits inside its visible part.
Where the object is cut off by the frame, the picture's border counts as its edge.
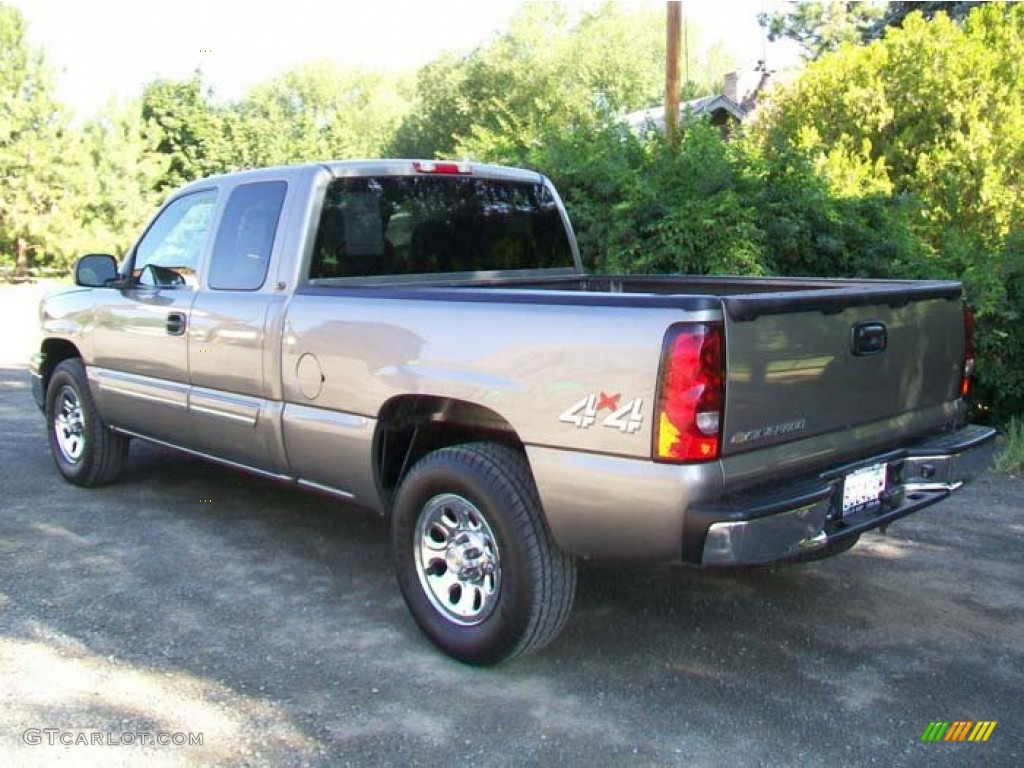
(168, 254)
(241, 253)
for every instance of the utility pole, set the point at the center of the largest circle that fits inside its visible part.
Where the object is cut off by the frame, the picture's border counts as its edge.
(674, 9)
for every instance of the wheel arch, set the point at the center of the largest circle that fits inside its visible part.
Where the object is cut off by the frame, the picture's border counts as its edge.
(54, 351)
(410, 426)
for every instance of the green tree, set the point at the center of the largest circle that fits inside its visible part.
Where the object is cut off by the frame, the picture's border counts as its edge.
(556, 69)
(33, 142)
(440, 112)
(315, 112)
(809, 229)
(597, 171)
(820, 27)
(190, 129)
(896, 13)
(693, 210)
(640, 205)
(122, 170)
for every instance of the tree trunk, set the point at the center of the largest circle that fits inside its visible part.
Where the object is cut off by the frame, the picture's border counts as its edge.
(21, 259)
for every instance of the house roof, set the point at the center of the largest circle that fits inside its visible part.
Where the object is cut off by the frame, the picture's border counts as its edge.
(654, 117)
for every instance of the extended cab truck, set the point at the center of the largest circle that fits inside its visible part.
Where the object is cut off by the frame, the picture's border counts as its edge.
(419, 338)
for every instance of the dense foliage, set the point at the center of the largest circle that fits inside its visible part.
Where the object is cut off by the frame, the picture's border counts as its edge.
(897, 152)
(553, 72)
(821, 26)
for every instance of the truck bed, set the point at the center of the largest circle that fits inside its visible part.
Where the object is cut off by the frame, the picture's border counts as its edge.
(744, 298)
(791, 373)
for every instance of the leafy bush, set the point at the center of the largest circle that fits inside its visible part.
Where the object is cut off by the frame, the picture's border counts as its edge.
(595, 170)
(693, 210)
(726, 207)
(642, 206)
(809, 230)
(1011, 457)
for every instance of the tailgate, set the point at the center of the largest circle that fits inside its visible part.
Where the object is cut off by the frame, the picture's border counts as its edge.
(813, 362)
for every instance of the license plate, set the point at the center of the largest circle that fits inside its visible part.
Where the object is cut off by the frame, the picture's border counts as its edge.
(863, 487)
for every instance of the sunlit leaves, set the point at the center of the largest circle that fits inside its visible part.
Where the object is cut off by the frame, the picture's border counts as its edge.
(556, 70)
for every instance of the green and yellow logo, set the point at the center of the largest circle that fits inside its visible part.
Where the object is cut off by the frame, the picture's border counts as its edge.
(958, 730)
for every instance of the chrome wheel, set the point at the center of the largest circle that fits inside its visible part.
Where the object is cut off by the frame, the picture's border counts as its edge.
(85, 450)
(477, 567)
(69, 424)
(457, 559)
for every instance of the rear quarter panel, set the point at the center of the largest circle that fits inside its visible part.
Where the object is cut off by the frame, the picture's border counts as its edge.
(529, 363)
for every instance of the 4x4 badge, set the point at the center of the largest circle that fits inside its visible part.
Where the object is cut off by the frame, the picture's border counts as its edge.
(584, 413)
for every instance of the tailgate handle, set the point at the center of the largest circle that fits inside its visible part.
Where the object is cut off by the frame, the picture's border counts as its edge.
(869, 338)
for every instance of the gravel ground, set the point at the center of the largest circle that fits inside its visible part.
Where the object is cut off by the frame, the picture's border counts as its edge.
(191, 599)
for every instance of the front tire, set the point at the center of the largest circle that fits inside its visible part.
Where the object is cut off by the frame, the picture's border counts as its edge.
(86, 451)
(475, 562)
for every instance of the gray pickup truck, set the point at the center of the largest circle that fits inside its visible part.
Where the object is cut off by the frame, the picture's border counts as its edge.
(419, 338)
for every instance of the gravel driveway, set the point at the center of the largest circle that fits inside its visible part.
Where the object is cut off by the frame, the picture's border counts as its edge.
(189, 599)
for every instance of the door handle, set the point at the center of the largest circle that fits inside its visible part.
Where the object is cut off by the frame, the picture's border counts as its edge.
(176, 323)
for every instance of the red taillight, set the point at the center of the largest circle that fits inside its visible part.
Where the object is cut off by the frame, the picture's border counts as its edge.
(429, 166)
(968, 361)
(691, 394)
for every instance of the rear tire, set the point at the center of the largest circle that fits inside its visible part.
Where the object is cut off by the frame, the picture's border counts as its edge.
(475, 562)
(86, 451)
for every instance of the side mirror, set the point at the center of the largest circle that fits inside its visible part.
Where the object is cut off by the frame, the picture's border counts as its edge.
(96, 270)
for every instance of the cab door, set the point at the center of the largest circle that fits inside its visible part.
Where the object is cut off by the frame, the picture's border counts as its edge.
(139, 372)
(233, 413)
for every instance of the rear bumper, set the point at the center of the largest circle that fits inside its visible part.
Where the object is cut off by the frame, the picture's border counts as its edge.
(768, 525)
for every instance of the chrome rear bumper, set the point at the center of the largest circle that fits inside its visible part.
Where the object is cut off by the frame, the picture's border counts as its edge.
(774, 524)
